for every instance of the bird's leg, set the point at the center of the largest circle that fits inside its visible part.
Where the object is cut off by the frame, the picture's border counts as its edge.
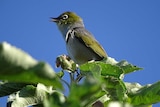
(79, 77)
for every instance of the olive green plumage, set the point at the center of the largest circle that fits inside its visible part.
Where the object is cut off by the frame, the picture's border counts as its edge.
(80, 44)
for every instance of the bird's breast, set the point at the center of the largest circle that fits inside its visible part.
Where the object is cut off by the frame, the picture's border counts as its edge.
(78, 51)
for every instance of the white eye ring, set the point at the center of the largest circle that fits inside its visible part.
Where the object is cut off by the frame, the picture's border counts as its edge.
(65, 16)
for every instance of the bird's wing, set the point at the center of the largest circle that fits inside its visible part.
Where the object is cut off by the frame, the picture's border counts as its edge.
(89, 41)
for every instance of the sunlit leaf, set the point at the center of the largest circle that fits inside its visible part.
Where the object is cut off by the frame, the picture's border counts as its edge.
(146, 95)
(127, 67)
(29, 95)
(105, 69)
(56, 99)
(18, 66)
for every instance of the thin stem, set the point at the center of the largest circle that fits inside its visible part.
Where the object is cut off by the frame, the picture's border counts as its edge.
(71, 77)
(66, 83)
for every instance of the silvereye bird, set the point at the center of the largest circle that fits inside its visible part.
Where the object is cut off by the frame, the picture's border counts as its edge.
(81, 44)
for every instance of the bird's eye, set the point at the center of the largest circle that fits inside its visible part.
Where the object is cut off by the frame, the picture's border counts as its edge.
(65, 16)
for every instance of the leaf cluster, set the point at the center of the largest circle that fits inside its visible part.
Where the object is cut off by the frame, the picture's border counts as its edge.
(29, 82)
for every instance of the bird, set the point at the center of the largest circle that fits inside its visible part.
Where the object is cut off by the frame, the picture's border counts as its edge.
(81, 45)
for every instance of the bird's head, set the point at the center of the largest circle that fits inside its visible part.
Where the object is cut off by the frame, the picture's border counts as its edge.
(67, 20)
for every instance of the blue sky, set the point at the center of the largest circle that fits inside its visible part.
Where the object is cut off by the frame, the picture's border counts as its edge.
(127, 29)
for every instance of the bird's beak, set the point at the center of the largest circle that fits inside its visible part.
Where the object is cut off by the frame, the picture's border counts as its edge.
(54, 19)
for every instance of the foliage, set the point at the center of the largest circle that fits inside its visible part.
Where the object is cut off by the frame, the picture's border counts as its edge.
(95, 84)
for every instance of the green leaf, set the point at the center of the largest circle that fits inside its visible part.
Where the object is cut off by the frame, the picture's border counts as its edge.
(105, 69)
(29, 95)
(60, 74)
(90, 68)
(7, 88)
(146, 95)
(55, 99)
(127, 67)
(110, 70)
(83, 95)
(132, 88)
(115, 88)
(18, 66)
